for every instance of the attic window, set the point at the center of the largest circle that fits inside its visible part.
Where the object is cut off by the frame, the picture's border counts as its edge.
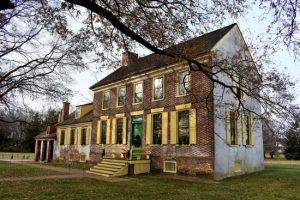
(77, 113)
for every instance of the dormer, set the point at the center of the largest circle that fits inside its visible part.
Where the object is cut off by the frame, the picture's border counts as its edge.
(81, 110)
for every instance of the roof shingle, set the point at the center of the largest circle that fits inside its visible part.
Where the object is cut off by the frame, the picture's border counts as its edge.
(190, 48)
(71, 119)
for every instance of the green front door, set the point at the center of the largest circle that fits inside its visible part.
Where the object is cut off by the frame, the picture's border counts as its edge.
(137, 131)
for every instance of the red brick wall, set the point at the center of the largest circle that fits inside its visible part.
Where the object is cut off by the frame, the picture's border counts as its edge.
(192, 158)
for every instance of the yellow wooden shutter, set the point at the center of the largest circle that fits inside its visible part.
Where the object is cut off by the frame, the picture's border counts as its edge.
(251, 129)
(98, 132)
(149, 134)
(113, 132)
(79, 135)
(193, 126)
(244, 130)
(76, 136)
(165, 124)
(174, 125)
(88, 130)
(69, 136)
(58, 137)
(228, 126)
(66, 136)
(108, 131)
(124, 132)
(238, 128)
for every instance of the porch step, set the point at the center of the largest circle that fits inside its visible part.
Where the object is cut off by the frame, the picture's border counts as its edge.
(106, 168)
(113, 163)
(99, 171)
(110, 167)
(115, 160)
(95, 173)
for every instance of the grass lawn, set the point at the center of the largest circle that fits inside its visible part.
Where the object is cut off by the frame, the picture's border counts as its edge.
(17, 170)
(278, 181)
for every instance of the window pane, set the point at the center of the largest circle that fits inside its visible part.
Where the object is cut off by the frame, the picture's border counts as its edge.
(62, 137)
(232, 127)
(157, 128)
(77, 113)
(184, 83)
(138, 93)
(103, 132)
(158, 88)
(72, 136)
(247, 118)
(83, 136)
(119, 130)
(105, 102)
(183, 127)
(121, 96)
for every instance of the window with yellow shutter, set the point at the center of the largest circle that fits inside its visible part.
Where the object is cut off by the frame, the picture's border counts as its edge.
(72, 139)
(233, 127)
(248, 130)
(103, 131)
(62, 137)
(183, 127)
(83, 136)
(157, 128)
(119, 130)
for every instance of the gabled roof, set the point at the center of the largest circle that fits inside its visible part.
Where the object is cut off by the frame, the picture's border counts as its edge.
(190, 48)
(88, 117)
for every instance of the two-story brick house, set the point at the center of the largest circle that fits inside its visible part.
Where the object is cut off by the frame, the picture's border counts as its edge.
(155, 110)
(175, 116)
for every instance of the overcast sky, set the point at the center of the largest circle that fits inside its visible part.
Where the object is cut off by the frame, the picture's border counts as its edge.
(250, 22)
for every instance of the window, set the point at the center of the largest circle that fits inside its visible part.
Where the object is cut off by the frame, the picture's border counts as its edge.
(77, 113)
(119, 130)
(183, 127)
(247, 127)
(83, 136)
(158, 88)
(157, 128)
(184, 83)
(72, 139)
(62, 137)
(105, 100)
(248, 130)
(103, 131)
(233, 127)
(138, 93)
(238, 84)
(121, 96)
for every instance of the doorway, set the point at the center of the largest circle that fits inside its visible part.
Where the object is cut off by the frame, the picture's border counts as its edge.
(137, 131)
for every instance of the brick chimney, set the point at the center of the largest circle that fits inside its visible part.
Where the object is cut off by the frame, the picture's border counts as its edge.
(128, 58)
(64, 112)
(51, 129)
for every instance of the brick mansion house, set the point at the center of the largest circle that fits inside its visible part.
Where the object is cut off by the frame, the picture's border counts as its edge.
(154, 113)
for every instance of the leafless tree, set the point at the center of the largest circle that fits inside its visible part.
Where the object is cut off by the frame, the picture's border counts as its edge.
(36, 54)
